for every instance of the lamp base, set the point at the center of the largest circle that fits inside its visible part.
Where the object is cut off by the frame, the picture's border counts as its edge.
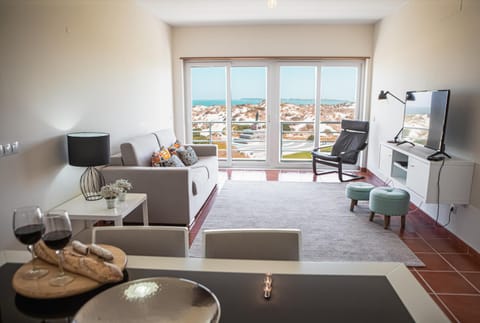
(91, 182)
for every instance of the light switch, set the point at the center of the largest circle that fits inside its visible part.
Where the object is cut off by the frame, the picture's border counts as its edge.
(15, 147)
(1, 151)
(7, 148)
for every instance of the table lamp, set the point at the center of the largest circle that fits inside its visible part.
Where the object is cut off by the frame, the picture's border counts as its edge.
(89, 149)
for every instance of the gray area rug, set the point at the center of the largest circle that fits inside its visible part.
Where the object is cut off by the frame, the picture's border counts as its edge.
(330, 232)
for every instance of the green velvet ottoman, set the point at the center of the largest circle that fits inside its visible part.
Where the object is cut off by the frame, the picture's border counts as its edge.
(389, 201)
(358, 191)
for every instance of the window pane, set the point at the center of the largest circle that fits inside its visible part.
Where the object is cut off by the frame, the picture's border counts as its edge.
(248, 112)
(338, 100)
(297, 111)
(209, 112)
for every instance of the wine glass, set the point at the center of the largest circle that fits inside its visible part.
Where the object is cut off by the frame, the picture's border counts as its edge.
(58, 232)
(28, 229)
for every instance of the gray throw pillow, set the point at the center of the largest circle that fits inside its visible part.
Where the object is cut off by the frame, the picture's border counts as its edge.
(173, 161)
(187, 155)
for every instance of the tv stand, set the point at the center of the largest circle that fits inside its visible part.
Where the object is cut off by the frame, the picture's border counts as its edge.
(408, 167)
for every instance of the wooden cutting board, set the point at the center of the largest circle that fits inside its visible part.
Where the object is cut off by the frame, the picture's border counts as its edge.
(41, 289)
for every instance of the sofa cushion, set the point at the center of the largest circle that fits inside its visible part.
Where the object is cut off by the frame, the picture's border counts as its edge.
(173, 161)
(187, 155)
(138, 151)
(165, 137)
(160, 156)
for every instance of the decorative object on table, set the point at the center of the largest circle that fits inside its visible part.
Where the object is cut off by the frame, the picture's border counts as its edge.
(58, 232)
(28, 228)
(110, 193)
(90, 272)
(89, 149)
(161, 299)
(267, 286)
(125, 186)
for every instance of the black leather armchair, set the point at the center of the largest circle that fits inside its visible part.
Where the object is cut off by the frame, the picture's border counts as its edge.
(345, 150)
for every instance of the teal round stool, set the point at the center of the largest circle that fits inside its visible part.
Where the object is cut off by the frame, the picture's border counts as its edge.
(358, 191)
(389, 201)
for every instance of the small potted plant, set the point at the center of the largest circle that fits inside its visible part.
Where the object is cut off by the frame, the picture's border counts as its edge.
(110, 193)
(124, 186)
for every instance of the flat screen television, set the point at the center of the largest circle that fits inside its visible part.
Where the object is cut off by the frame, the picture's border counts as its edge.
(425, 118)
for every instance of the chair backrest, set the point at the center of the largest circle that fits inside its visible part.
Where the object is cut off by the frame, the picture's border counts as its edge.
(353, 137)
(266, 244)
(145, 240)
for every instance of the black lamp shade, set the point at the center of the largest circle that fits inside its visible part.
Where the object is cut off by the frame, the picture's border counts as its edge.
(382, 95)
(87, 149)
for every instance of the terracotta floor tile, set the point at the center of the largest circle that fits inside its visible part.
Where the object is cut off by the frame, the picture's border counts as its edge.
(447, 282)
(417, 245)
(421, 281)
(462, 262)
(446, 245)
(408, 233)
(429, 232)
(443, 308)
(433, 261)
(465, 308)
(474, 278)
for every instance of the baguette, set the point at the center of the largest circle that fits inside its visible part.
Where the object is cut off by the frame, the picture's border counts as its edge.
(98, 270)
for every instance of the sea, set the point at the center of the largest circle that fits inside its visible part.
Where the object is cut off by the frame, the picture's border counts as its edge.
(258, 101)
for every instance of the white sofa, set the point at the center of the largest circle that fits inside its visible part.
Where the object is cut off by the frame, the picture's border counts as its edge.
(174, 194)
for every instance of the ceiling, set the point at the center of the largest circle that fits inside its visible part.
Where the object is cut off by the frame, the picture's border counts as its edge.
(226, 12)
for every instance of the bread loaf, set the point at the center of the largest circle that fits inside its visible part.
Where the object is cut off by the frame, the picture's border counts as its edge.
(98, 270)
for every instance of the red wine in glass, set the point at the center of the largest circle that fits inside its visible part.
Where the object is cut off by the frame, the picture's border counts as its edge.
(57, 239)
(28, 228)
(58, 232)
(29, 234)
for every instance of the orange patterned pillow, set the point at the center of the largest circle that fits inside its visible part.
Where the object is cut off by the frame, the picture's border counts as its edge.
(159, 156)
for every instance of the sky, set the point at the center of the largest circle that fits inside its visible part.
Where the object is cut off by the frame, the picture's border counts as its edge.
(296, 82)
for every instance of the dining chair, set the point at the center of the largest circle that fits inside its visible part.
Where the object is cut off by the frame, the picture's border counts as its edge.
(163, 241)
(266, 244)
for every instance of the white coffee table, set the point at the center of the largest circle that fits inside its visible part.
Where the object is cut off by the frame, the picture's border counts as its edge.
(91, 211)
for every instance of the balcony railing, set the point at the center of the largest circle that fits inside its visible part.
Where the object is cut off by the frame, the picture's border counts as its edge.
(248, 138)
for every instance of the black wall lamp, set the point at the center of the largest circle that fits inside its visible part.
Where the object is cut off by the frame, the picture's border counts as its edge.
(383, 96)
(408, 97)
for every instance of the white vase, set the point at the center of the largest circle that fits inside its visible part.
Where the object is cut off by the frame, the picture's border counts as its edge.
(111, 203)
(122, 196)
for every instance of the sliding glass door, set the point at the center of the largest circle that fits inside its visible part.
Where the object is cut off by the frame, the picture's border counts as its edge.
(271, 113)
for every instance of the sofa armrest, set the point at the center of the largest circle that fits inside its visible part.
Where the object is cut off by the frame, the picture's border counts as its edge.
(204, 149)
(168, 190)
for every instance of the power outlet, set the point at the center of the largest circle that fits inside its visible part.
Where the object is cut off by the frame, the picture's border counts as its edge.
(453, 208)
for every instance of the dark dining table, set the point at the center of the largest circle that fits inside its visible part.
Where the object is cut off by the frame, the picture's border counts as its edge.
(301, 291)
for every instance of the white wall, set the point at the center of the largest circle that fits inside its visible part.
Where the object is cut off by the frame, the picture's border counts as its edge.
(263, 40)
(432, 45)
(74, 66)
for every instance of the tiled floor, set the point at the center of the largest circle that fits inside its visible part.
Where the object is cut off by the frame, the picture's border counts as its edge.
(452, 272)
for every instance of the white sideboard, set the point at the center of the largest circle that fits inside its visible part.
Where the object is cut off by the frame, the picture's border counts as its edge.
(409, 167)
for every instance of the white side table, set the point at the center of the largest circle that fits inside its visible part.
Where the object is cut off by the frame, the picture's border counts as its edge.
(91, 211)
